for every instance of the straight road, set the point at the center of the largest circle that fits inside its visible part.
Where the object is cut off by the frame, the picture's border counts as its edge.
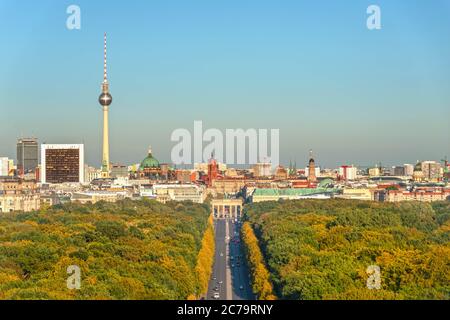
(229, 278)
(217, 283)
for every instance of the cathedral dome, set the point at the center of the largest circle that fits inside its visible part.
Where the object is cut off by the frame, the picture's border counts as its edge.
(150, 162)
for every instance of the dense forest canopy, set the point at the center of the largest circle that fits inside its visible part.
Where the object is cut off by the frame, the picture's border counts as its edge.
(125, 250)
(319, 249)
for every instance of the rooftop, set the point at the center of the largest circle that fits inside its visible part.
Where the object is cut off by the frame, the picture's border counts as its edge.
(292, 192)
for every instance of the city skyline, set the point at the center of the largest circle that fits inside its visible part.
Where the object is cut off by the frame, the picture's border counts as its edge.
(292, 163)
(204, 152)
(380, 86)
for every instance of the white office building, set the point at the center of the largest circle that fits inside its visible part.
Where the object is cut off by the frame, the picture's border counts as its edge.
(4, 166)
(409, 169)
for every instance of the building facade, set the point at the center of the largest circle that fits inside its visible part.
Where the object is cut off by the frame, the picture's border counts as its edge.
(27, 155)
(96, 196)
(91, 173)
(4, 167)
(227, 208)
(421, 195)
(348, 172)
(262, 170)
(432, 171)
(62, 163)
(179, 192)
(398, 171)
(18, 195)
(356, 194)
(119, 170)
(374, 172)
(409, 169)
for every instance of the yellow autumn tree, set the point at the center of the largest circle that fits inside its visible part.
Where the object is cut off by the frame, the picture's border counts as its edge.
(262, 286)
(205, 260)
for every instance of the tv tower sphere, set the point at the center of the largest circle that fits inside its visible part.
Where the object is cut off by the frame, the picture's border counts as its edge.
(105, 99)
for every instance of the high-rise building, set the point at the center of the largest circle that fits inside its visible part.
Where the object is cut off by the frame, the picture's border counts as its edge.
(432, 170)
(4, 166)
(27, 155)
(348, 172)
(418, 172)
(398, 171)
(62, 163)
(409, 169)
(105, 100)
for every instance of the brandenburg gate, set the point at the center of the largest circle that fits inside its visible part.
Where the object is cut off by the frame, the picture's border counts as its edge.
(227, 208)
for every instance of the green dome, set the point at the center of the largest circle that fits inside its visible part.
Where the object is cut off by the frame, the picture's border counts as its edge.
(149, 162)
(326, 183)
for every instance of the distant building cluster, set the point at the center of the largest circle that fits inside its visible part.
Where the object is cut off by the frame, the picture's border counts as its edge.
(51, 174)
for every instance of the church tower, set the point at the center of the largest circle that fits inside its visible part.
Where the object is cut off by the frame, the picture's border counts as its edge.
(311, 169)
(213, 169)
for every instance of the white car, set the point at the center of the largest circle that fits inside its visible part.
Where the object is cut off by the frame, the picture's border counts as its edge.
(216, 295)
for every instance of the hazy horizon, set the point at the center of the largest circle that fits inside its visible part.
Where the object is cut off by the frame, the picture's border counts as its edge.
(311, 69)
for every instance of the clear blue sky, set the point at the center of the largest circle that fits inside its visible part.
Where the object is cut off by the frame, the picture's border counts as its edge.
(310, 68)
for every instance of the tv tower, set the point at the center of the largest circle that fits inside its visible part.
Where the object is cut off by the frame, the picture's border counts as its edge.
(105, 100)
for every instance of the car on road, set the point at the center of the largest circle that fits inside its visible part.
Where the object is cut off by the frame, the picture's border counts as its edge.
(241, 288)
(232, 265)
(216, 295)
(221, 254)
(216, 288)
(231, 257)
(220, 282)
